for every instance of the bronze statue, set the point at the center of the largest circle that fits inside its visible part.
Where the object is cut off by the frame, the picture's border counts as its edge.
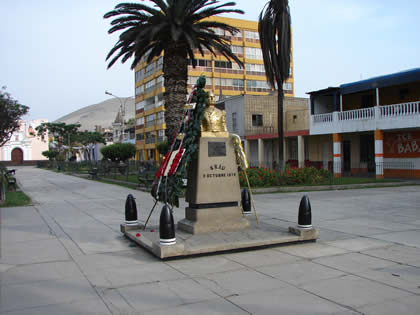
(214, 120)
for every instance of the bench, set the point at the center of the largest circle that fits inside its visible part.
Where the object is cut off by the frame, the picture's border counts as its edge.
(93, 173)
(146, 178)
(11, 172)
(11, 181)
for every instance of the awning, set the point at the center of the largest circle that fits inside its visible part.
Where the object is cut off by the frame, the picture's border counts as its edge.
(381, 81)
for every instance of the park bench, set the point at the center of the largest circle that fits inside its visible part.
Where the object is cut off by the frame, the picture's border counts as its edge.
(11, 181)
(146, 178)
(93, 173)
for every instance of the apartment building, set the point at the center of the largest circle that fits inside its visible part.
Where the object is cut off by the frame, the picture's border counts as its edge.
(225, 78)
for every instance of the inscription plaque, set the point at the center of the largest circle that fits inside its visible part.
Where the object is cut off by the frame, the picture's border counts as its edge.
(217, 149)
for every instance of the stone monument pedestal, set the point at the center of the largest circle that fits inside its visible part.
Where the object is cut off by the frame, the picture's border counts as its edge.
(213, 191)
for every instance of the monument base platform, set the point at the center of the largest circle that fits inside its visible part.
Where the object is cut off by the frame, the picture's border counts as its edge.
(208, 220)
(188, 244)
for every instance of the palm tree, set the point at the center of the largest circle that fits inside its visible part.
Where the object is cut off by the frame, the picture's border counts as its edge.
(176, 28)
(274, 30)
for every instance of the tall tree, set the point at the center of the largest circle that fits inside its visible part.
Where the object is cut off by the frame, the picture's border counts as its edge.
(275, 38)
(10, 114)
(176, 28)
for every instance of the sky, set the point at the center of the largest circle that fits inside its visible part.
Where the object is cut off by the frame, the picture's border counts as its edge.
(52, 55)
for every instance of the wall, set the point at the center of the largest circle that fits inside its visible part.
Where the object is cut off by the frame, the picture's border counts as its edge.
(235, 105)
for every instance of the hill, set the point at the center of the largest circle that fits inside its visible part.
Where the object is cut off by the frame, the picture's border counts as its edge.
(102, 114)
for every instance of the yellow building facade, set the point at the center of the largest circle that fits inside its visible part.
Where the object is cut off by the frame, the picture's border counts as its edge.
(225, 78)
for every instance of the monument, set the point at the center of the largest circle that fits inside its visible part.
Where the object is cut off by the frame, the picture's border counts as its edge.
(209, 156)
(213, 192)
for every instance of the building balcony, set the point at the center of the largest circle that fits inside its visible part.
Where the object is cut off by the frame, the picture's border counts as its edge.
(395, 116)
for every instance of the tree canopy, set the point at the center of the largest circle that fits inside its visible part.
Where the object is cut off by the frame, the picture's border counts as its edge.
(177, 28)
(11, 113)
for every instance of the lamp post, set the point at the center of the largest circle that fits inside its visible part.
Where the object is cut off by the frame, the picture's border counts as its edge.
(122, 109)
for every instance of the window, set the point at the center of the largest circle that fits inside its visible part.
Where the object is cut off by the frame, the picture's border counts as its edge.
(238, 50)
(253, 53)
(149, 70)
(292, 146)
(139, 90)
(257, 120)
(140, 136)
(238, 83)
(140, 105)
(160, 118)
(257, 86)
(255, 69)
(149, 103)
(223, 64)
(199, 63)
(140, 121)
(252, 36)
(234, 122)
(159, 82)
(288, 87)
(149, 86)
(159, 64)
(161, 135)
(139, 75)
(150, 137)
(150, 120)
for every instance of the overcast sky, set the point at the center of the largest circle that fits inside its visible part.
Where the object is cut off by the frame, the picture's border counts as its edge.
(52, 55)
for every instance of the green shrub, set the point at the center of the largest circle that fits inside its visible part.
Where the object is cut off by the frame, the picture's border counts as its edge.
(264, 177)
(119, 152)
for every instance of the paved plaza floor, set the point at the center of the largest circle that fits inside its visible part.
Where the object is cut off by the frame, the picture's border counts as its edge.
(66, 255)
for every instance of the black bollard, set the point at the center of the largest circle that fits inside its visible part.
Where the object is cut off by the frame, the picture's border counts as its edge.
(246, 201)
(305, 216)
(130, 211)
(167, 227)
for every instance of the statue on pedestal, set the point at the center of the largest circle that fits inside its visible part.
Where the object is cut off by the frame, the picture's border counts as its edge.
(214, 120)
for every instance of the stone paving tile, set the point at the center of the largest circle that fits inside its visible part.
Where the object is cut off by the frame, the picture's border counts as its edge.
(406, 305)
(239, 282)
(355, 229)
(408, 238)
(30, 252)
(311, 250)
(165, 294)
(261, 257)
(326, 235)
(300, 272)
(204, 265)
(354, 291)
(397, 253)
(37, 272)
(82, 307)
(285, 301)
(212, 307)
(399, 276)
(41, 293)
(353, 262)
(358, 244)
(134, 274)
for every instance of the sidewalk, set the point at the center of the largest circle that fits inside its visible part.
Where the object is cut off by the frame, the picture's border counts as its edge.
(65, 255)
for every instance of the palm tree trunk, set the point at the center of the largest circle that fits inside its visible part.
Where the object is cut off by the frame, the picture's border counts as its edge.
(280, 97)
(175, 69)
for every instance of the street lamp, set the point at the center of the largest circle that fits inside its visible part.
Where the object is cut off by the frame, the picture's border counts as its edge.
(122, 109)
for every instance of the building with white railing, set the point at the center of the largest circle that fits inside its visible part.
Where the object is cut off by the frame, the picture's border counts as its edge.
(367, 125)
